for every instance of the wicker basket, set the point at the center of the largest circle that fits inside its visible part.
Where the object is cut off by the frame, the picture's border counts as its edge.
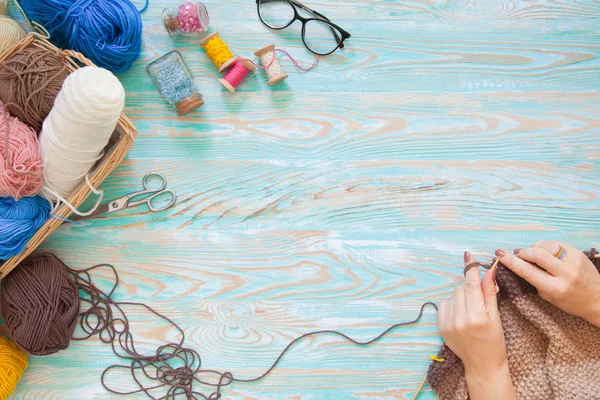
(121, 141)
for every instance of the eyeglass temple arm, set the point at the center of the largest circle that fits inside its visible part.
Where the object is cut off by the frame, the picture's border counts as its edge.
(313, 12)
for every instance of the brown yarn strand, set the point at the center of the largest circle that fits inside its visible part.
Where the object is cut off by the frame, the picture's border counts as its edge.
(47, 325)
(29, 83)
(174, 368)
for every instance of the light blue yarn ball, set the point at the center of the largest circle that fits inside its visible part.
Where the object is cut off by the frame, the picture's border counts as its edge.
(19, 220)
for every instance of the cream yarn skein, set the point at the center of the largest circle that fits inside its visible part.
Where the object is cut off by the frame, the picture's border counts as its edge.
(10, 31)
(77, 130)
(3, 7)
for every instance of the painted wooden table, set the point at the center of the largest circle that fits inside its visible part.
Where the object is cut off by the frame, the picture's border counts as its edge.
(344, 197)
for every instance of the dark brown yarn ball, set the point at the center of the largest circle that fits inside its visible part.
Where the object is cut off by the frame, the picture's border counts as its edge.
(40, 304)
(29, 83)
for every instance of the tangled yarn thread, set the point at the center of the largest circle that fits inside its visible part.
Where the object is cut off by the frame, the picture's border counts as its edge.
(108, 32)
(20, 161)
(13, 362)
(172, 372)
(29, 83)
(19, 221)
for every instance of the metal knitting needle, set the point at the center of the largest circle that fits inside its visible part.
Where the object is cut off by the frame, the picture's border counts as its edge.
(419, 388)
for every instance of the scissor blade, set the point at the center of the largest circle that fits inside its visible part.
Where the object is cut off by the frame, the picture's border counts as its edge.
(102, 209)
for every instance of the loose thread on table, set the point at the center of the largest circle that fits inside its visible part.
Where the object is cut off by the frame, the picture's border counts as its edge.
(301, 68)
(174, 367)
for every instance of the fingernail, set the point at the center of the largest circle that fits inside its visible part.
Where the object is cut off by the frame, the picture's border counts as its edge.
(497, 287)
(500, 253)
(467, 255)
(516, 251)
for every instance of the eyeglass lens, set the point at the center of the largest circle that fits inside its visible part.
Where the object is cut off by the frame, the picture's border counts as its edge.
(276, 14)
(320, 37)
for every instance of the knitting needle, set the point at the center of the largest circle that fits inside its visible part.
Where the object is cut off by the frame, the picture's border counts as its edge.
(495, 263)
(419, 388)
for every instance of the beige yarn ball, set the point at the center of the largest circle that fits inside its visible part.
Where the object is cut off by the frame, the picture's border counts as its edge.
(10, 32)
(3, 7)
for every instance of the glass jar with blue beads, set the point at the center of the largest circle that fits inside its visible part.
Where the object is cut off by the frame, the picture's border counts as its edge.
(175, 82)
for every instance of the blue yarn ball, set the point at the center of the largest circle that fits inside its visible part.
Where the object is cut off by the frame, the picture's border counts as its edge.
(108, 32)
(19, 220)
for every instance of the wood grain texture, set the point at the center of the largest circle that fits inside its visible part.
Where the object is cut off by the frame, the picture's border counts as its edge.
(343, 198)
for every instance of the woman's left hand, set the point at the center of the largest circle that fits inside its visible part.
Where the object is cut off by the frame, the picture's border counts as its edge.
(571, 284)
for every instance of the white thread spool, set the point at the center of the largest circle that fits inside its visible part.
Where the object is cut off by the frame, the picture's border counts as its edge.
(78, 128)
(274, 71)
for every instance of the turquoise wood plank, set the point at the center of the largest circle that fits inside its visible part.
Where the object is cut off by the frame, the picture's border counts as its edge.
(345, 197)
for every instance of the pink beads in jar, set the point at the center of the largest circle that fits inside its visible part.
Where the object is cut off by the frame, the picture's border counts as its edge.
(190, 18)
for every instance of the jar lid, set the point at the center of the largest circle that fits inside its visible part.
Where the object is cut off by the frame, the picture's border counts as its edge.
(171, 23)
(189, 104)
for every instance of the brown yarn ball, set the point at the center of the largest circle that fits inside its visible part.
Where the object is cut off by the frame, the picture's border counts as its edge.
(29, 83)
(40, 304)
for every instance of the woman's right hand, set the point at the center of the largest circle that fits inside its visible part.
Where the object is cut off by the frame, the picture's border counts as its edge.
(571, 284)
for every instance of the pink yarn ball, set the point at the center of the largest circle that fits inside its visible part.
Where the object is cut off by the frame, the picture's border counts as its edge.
(20, 162)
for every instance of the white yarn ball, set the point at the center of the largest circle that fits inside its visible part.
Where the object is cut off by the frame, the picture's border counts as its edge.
(4, 7)
(10, 32)
(78, 128)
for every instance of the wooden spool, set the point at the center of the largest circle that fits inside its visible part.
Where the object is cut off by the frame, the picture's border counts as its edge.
(227, 64)
(230, 87)
(275, 79)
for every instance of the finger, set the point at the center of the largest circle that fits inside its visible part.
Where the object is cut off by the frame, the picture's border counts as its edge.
(542, 258)
(489, 288)
(553, 247)
(444, 316)
(532, 274)
(459, 310)
(473, 294)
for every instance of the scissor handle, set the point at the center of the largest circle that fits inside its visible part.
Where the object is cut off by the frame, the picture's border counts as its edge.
(158, 175)
(161, 193)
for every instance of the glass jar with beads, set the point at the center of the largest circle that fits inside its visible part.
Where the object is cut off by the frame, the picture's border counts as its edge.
(175, 82)
(189, 18)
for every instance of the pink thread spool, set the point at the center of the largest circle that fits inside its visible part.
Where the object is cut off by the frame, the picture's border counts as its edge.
(190, 18)
(236, 74)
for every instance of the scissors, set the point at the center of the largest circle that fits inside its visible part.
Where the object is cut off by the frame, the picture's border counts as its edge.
(127, 202)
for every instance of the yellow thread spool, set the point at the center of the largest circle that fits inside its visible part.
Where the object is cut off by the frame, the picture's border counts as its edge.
(218, 51)
(13, 362)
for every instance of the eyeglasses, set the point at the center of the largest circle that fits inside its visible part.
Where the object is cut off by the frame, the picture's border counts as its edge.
(320, 35)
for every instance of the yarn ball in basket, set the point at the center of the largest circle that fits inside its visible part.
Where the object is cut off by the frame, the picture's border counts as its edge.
(29, 83)
(19, 221)
(13, 362)
(10, 32)
(40, 304)
(21, 172)
(77, 130)
(108, 32)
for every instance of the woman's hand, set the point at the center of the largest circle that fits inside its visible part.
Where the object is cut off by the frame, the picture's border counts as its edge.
(571, 284)
(470, 325)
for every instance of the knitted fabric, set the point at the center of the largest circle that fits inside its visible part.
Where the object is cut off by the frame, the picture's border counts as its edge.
(551, 354)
